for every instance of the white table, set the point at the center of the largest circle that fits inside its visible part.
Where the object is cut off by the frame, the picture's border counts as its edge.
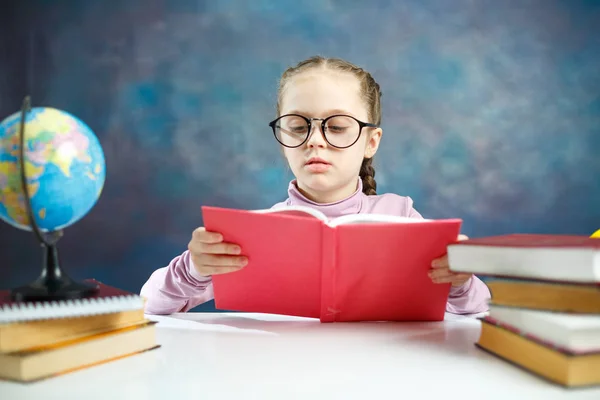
(257, 356)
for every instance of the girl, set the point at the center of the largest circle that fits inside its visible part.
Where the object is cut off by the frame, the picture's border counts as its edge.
(329, 113)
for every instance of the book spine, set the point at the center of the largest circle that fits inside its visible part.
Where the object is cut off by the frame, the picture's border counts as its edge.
(329, 309)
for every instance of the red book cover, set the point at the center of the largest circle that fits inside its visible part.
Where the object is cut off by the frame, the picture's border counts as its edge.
(355, 268)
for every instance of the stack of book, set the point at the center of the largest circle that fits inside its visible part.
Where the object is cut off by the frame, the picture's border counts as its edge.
(45, 339)
(545, 309)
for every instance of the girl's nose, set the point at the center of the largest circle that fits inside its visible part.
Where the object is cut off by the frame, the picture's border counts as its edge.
(316, 137)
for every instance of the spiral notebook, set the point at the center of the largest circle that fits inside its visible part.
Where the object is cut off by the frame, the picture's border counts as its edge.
(108, 299)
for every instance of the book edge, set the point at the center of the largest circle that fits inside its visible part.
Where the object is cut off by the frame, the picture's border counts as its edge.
(534, 339)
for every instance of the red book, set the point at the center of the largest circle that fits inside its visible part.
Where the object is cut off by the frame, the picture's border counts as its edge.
(562, 258)
(354, 268)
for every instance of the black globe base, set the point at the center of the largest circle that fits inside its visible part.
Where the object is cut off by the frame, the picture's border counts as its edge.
(53, 284)
(64, 289)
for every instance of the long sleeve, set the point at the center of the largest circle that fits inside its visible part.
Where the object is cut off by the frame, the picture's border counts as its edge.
(470, 298)
(176, 287)
(414, 214)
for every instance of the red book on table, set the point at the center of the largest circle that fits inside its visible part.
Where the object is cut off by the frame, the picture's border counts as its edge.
(361, 267)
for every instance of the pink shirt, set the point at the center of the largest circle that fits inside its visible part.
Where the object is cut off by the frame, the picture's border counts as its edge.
(179, 288)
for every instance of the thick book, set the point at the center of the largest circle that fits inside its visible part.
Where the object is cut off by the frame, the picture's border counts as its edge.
(542, 358)
(359, 267)
(69, 356)
(580, 298)
(560, 258)
(574, 333)
(16, 336)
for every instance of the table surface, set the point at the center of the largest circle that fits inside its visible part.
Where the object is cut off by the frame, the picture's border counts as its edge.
(259, 356)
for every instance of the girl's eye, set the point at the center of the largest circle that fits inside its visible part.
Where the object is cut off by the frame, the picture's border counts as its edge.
(337, 129)
(298, 129)
(342, 125)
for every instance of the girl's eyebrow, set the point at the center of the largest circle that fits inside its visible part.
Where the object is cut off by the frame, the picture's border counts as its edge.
(328, 112)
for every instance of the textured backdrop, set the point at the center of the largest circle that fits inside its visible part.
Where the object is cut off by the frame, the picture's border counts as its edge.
(491, 112)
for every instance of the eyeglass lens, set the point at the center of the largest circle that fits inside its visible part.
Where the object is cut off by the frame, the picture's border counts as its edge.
(340, 131)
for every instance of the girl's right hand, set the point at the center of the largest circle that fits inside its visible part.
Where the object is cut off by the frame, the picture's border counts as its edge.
(211, 256)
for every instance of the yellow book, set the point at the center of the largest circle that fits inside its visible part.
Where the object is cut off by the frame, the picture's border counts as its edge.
(550, 296)
(541, 358)
(16, 336)
(47, 361)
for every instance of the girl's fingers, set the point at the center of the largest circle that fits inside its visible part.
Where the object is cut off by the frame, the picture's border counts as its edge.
(206, 271)
(441, 262)
(204, 236)
(220, 248)
(440, 273)
(454, 278)
(219, 260)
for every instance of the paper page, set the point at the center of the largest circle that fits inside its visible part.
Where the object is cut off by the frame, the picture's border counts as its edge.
(571, 322)
(374, 218)
(295, 210)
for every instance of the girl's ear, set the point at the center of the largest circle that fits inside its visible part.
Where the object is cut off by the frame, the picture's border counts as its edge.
(373, 142)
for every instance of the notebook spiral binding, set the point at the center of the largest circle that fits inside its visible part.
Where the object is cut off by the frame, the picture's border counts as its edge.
(19, 312)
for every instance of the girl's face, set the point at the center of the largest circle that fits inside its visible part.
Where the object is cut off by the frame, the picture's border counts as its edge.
(324, 173)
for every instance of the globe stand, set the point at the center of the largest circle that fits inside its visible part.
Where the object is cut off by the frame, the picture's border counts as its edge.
(53, 283)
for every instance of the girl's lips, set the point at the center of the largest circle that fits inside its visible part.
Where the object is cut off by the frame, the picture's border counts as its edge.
(317, 167)
(316, 160)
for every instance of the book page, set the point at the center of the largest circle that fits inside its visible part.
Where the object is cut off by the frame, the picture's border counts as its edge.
(300, 211)
(374, 218)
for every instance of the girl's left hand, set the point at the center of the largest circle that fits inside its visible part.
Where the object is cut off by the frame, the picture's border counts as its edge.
(440, 272)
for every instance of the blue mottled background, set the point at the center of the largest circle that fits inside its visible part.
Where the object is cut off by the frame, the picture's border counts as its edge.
(491, 111)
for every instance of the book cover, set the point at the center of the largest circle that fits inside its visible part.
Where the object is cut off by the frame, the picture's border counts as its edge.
(354, 268)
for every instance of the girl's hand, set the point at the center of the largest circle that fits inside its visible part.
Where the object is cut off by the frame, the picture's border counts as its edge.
(440, 272)
(211, 256)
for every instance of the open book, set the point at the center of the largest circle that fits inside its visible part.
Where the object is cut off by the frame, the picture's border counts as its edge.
(353, 268)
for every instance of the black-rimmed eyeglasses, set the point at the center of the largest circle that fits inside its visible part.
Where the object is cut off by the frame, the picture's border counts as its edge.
(340, 131)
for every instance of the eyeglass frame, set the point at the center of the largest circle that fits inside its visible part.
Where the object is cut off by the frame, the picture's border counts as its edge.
(309, 121)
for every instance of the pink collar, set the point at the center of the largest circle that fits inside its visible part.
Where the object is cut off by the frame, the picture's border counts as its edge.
(350, 205)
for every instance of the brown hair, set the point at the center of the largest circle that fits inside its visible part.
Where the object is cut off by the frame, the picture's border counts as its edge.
(369, 90)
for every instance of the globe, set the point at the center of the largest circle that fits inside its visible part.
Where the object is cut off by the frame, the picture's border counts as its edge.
(64, 168)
